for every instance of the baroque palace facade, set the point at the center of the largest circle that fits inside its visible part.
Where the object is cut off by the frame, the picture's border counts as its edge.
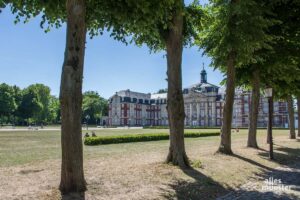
(203, 104)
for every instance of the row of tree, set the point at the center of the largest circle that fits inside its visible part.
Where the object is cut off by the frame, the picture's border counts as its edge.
(256, 44)
(35, 105)
(247, 40)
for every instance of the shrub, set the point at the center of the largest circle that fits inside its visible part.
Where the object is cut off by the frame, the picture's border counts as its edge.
(139, 138)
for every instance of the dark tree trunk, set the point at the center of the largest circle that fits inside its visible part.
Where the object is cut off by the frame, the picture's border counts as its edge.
(298, 109)
(270, 115)
(72, 176)
(175, 106)
(270, 125)
(291, 117)
(225, 145)
(252, 142)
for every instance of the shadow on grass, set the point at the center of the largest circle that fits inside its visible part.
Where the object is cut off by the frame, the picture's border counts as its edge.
(204, 187)
(73, 196)
(283, 155)
(252, 161)
(288, 174)
(201, 187)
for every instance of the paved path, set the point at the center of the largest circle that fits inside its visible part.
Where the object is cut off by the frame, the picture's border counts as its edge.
(281, 184)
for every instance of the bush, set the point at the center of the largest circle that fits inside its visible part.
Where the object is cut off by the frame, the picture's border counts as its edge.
(139, 138)
(186, 127)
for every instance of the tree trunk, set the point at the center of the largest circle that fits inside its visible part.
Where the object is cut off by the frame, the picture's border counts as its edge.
(175, 106)
(252, 142)
(270, 125)
(291, 117)
(72, 176)
(225, 145)
(298, 109)
(270, 115)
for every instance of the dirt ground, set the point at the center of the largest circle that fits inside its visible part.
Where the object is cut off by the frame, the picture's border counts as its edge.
(140, 173)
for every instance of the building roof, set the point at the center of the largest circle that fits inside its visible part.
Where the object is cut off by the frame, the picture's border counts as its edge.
(159, 96)
(202, 85)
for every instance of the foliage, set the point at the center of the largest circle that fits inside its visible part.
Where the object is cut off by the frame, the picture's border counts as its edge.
(279, 66)
(161, 91)
(284, 62)
(140, 138)
(238, 28)
(140, 22)
(7, 100)
(34, 104)
(94, 106)
(53, 115)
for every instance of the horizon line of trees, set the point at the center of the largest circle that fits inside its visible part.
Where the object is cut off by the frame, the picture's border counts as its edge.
(34, 105)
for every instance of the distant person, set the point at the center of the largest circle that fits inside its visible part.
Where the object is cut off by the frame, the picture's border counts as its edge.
(94, 134)
(86, 134)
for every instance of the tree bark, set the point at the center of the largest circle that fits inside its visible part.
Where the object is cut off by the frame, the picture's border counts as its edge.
(252, 142)
(72, 175)
(270, 125)
(291, 117)
(175, 104)
(225, 145)
(298, 109)
(270, 115)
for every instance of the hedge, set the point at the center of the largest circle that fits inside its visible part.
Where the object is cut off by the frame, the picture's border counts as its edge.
(213, 127)
(98, 140)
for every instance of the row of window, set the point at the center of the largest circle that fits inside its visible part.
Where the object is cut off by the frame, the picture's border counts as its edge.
(143, 101)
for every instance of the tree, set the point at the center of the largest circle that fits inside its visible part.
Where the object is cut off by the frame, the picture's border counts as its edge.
(233, 31)
(161, 25)
(42, 94)
(175, 105)
(176, 26)
(73, 12)
(7, 101)
(160, 91)
(31, 106)
(72, 175)
(290, 103)
(298, 113)
(283, 61)
(94, 106)
(18, 99)
(53, 110)
(255, 97)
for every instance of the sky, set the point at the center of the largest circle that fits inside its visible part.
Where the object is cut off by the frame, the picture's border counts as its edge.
(28, 56)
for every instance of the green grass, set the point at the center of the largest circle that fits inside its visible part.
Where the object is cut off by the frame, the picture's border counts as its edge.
(22, 147)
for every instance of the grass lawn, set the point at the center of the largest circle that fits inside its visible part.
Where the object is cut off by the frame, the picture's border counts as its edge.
(30, 165)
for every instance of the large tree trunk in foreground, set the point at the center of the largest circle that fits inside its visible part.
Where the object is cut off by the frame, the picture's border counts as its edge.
(176, 115)
(290, 103)
(298, 109)
(252, 142)
(225, 145)
(72, 176)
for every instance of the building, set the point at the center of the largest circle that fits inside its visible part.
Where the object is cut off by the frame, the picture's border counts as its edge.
(241, 111)
(203, 104)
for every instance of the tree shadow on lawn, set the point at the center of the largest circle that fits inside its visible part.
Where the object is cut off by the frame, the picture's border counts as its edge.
(253, 162)
(288, 174)
(73, 196)
(203, 187)
(283, 155)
